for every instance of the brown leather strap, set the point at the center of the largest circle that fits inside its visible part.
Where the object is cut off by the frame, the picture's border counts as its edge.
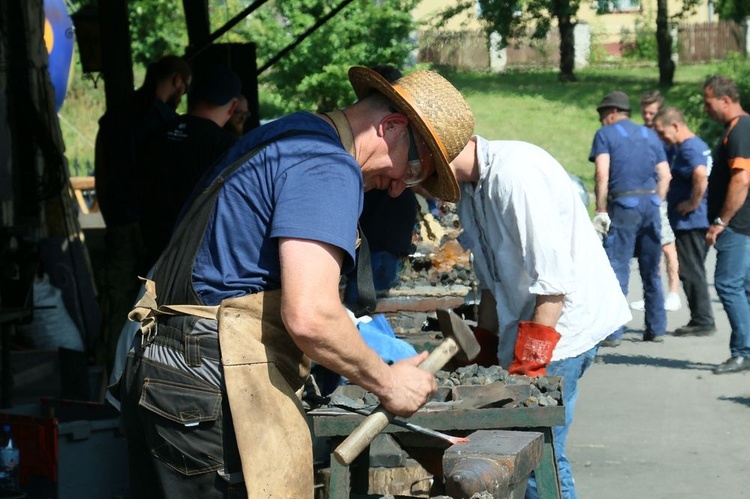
(147, 310)
(341, 124)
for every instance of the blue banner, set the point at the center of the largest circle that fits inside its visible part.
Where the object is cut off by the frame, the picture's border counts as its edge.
(58, 37)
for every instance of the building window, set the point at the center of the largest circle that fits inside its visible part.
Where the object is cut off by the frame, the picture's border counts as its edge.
(616, 6)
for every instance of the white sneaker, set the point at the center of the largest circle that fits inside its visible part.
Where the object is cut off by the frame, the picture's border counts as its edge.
(672, 302)
(638, 305)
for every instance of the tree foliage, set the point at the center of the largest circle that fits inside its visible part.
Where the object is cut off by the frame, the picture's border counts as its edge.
(314, 75)
(157, 28)
(734, 10)
(515, 20)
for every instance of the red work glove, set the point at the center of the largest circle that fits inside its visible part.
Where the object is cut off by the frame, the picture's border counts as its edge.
(534, 348)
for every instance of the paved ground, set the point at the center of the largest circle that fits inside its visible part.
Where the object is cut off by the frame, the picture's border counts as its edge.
(654, 422)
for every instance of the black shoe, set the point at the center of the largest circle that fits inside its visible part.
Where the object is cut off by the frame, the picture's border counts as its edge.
(733, 365)
(612, 343)
(694, 330)
(655, 338)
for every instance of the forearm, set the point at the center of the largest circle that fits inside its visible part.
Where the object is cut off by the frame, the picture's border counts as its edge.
(548, 309)
(332, 340)
(736, 194)
(601, 188)
(664, 176)
(319, 325)
(317, 321)
(699, 190)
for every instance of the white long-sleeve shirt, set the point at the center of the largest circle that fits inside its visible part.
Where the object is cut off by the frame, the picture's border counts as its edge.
(531, 235)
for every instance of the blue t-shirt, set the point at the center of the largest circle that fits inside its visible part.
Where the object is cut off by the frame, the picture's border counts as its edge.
(688, 156)
(634, 151)
(304, 186)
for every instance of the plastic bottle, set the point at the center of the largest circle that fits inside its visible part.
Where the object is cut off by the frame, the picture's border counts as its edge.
(9, 462)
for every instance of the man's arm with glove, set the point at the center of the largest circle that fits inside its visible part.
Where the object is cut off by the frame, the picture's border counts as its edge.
(537, 338)
(601, 191)
(602, 223)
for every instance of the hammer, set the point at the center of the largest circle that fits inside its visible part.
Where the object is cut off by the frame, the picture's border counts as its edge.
(459, 340)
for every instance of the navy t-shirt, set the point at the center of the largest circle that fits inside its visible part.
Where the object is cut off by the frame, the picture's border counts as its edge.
(687, 157)
(301, 186)
(634, 151)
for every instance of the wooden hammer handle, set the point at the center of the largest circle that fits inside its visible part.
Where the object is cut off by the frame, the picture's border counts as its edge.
(376, 422)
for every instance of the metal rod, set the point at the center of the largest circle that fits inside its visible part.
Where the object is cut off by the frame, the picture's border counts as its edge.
(403, 424)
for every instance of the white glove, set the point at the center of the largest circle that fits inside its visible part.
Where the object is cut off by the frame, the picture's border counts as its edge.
(602, 223)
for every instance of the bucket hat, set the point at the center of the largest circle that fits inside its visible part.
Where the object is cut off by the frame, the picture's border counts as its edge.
(615, 99)
(436, 111)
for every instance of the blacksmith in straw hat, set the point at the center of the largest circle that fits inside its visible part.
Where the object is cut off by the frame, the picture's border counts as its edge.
(437, 113)
(257, 257)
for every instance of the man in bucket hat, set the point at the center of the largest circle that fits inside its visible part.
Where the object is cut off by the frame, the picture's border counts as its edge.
(548, 290)
(632, 178)
(246, 293)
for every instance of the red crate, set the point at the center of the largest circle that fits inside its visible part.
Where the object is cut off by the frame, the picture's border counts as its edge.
(36, 438)
(38, 429)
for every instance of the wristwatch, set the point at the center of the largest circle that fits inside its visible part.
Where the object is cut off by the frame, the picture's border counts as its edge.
(718, 221)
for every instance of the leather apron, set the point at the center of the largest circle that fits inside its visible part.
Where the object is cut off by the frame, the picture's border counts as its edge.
(262, 366)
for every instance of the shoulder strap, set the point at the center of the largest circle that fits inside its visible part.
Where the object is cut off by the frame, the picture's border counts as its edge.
(173, 270)
(367, 299)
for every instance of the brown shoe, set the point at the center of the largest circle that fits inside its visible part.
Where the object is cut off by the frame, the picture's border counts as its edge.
(733, 365)
(693, 330)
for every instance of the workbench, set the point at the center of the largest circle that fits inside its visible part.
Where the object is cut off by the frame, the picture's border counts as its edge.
(344, 481)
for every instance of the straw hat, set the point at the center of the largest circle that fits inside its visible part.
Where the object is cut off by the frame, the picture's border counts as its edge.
(436, 111)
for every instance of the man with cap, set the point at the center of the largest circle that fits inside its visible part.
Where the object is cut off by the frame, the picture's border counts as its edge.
(177, 153)
(629, 159)
(246, 293)
(548, 289)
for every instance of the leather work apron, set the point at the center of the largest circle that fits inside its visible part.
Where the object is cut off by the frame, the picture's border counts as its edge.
(262, 366)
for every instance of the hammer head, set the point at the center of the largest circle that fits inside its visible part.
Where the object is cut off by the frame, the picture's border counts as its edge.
(452, 326)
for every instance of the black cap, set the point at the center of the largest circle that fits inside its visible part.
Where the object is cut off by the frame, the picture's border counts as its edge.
(615, 99)
(215, 83)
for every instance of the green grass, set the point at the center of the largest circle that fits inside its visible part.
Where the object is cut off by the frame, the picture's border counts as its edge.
(561, 117)
(531, 106)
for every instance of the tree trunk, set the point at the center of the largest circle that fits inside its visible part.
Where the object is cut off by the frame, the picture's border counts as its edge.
(664, 44)
(567, 47)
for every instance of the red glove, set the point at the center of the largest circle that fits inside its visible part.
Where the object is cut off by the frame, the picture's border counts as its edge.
(534, 348)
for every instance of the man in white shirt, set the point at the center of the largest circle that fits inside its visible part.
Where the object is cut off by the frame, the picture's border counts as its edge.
(548, 289)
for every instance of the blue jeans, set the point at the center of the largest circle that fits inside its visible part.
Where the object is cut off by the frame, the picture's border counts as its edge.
(732, 282)
(636, 231)
(571, 370)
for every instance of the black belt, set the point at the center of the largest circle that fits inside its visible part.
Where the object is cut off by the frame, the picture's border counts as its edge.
(636, 192)
(194, 347)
